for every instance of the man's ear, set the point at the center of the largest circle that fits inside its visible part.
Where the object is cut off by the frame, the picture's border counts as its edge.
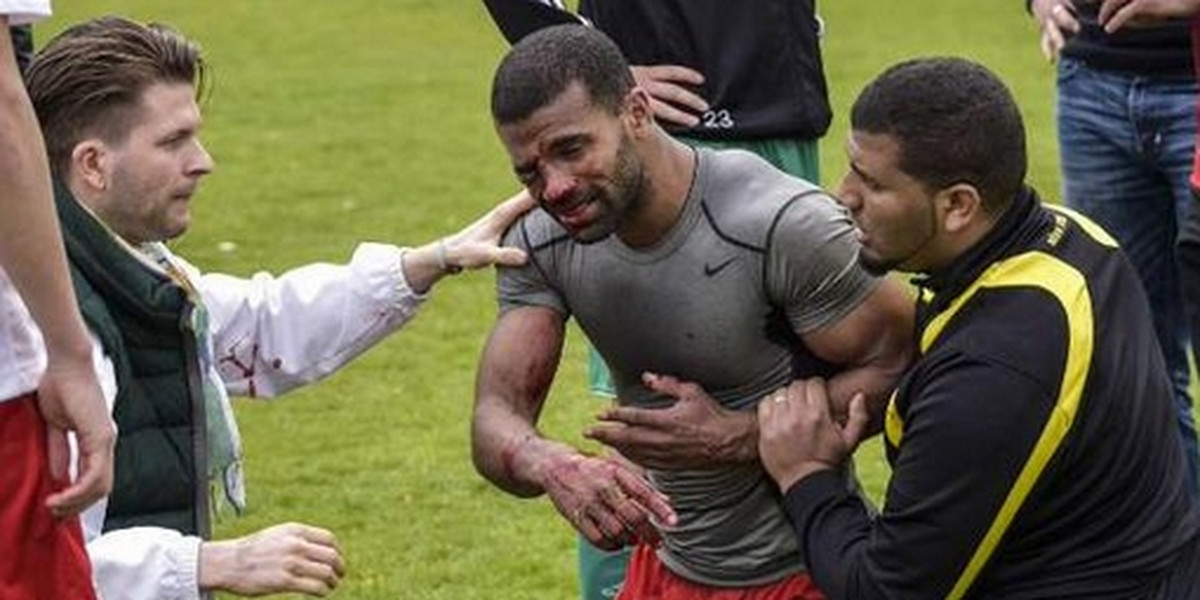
(90, 164)
(637, 110)
(962, 206)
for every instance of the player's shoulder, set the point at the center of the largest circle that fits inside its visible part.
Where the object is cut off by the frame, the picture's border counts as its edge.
(536, 230)
(745, 197)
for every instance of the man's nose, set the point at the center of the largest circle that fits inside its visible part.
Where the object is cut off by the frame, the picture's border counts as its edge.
(202, 162)
(559, 186)
(847, 195)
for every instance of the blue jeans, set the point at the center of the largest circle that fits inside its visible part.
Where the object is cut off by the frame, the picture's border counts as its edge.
(1126, 144)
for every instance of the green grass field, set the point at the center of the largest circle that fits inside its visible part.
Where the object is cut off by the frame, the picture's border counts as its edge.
(347, 120)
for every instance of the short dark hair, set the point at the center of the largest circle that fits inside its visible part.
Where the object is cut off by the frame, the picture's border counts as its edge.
(89, 80)
(955, 122)
(545, 63)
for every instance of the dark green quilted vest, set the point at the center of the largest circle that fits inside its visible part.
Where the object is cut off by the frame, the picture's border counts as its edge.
(142, 318)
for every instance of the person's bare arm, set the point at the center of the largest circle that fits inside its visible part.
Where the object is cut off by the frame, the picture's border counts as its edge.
(607, 502)
(874, 343)
(515, 373)
(31, 253)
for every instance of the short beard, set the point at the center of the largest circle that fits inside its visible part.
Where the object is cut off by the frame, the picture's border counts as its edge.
(878, 268)
(630, 176)
(628, 198)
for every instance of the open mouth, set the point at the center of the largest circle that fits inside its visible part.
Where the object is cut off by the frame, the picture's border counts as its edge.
(578, 214)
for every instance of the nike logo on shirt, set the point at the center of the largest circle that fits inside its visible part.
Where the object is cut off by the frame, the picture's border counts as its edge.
(710, 270)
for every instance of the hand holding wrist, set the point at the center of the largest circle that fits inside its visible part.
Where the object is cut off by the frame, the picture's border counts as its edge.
(799, 472)
(745, 443)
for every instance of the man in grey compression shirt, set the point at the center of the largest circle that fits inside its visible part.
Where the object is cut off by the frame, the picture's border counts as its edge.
(710, 266)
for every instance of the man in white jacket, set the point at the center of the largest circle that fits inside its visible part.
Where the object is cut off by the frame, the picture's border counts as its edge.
(122, 135)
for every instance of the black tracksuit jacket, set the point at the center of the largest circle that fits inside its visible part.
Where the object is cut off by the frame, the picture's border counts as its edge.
(1034, 447)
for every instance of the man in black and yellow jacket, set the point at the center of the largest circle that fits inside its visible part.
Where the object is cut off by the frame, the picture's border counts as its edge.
(1033, 445)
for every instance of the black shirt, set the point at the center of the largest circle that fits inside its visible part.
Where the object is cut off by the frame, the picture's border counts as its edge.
(760, 58)
(1163, 49)
(1033, 444)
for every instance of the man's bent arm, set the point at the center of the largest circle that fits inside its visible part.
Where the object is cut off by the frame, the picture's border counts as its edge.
(873, 344)
(272, 334)
(156, 563)
(952, 475)
(515, 373)
(606, 501)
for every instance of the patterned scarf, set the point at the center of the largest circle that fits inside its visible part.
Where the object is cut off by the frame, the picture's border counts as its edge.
(224, 441)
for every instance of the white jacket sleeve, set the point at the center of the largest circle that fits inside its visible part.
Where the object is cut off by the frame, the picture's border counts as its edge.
(272, 334)
(145, 563)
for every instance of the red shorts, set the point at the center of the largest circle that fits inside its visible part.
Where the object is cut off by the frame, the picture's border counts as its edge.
(41, 557)
(647, 578)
